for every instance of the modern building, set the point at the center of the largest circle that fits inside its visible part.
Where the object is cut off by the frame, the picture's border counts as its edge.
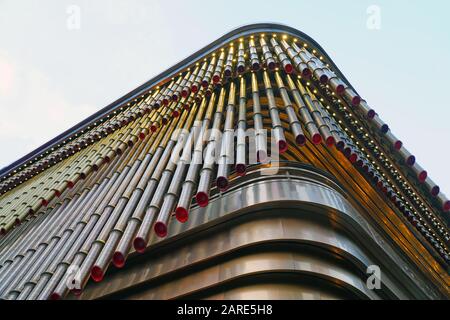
(250, 170)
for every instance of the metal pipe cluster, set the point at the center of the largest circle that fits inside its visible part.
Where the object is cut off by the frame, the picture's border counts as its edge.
(107, 191)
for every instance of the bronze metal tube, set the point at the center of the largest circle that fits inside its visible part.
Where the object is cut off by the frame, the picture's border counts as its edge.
(260, 135)
(173, 190)
(269, 61)
(304, 113)
(277, 128)
(80, 200)
(314, 64)
(254, 59)
(240, 65)
(228, 69)
(301, 66)
(154, 171)
(186, 90)
(198, 79)
(217, 75)
(204, 184)
(94, 222)
(282, 57)
(206, 81)
(241, 166)
(227, 145)
(294, 123)
(188, 186)
(143, 234)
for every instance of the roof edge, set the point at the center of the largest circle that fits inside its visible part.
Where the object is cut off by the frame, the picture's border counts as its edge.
(236, 33)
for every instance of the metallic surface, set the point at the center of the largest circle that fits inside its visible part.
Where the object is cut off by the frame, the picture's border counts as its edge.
(298, 210)
(337, 175)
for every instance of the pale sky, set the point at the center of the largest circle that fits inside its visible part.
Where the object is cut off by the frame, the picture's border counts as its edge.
(53, 76)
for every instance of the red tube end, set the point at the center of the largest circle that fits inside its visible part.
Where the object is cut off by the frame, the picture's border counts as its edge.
(175, 114)
(347, 152)
(153, 128)
(184, 93)
(446, 206)
(70, 184)
(271, 65)
(57, 193)
(216, 79)
(398, 145)
(316, 138)
(435, 191)
(241, 169)
(96, 274)
(340, 145)
(306, 73)
(194, 88)
(323, 79)
(300, 140)
(411, 160)
(288, 68)
(44, 202)
(202, 199)
(330, 141)
(55, 296)
(182, 214)
(422, 176)
(139, 244)
(160, 229)
(340, 89)
(282, 146)
(356, 101)
(222, 183)
(353, 157)
(142, 136)
(384, 128)
(118, 259)
(255, 66)
(359, 163)
(77, 292)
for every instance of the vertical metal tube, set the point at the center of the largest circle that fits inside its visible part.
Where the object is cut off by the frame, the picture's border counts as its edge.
(227, 146)
(204, 185)
(241, 166)
(277, 129)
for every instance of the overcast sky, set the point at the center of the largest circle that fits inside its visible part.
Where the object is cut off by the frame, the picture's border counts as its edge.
(55, 72)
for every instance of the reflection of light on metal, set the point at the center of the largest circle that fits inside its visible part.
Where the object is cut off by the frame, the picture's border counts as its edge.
(128, 186)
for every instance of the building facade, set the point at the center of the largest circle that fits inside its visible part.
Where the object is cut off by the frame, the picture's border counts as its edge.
(250, 170)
